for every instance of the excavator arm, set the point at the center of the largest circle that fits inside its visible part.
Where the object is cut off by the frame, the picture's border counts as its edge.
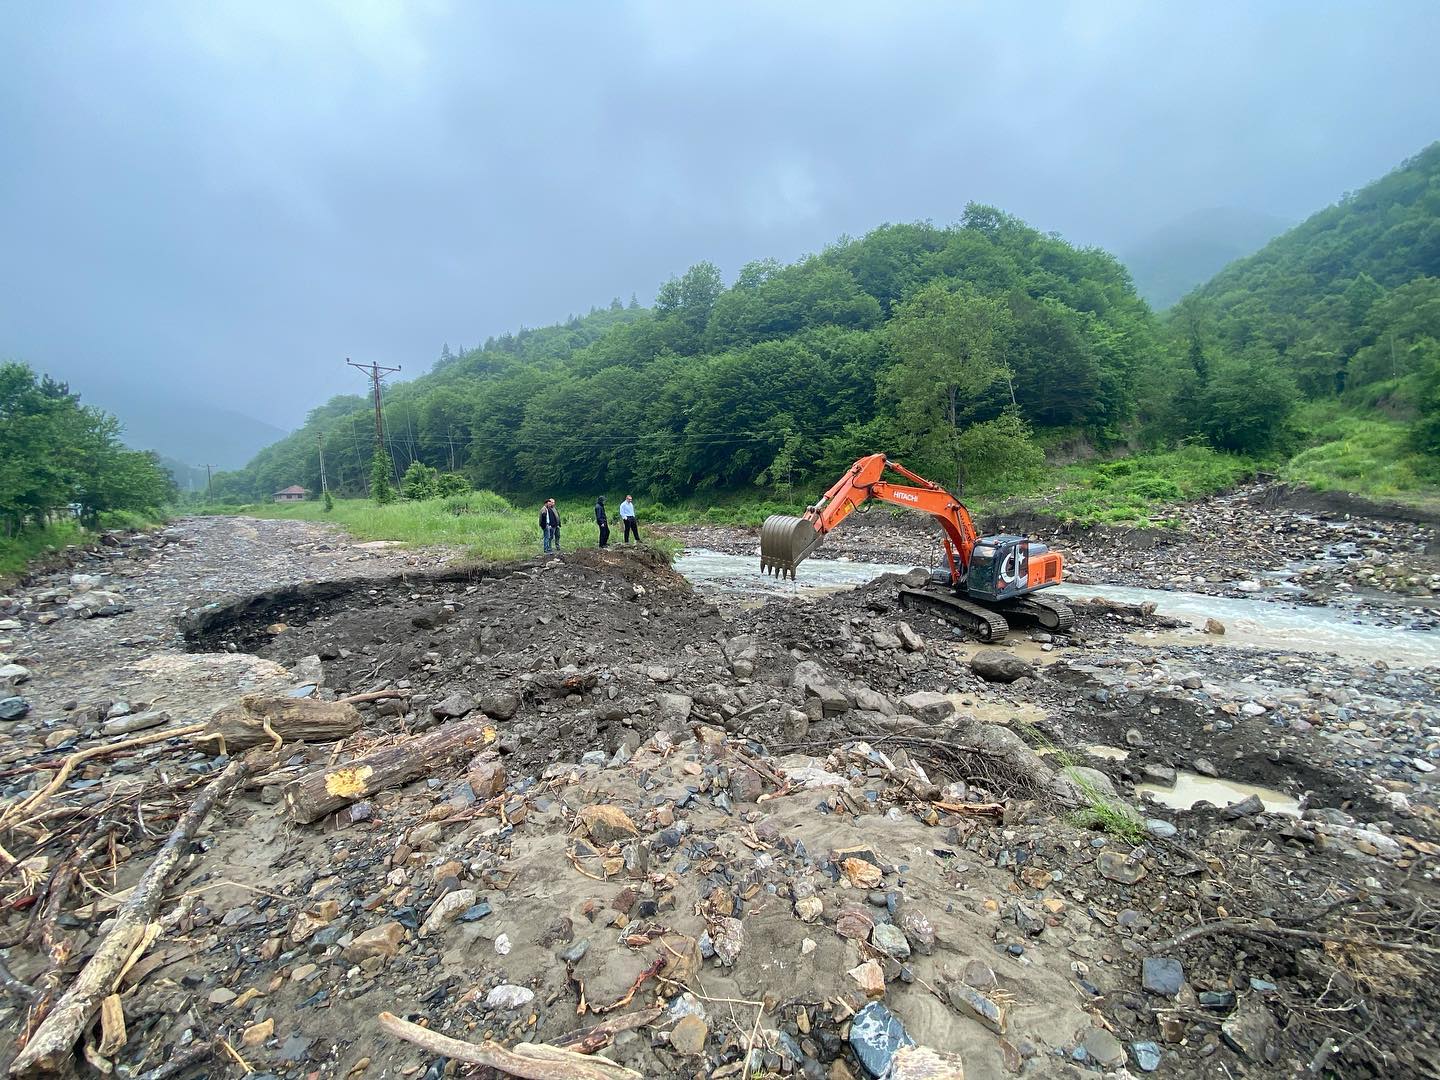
(786, 541)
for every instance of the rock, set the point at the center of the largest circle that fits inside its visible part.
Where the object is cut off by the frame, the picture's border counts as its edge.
(1101, 1046)
(979, 976)
(870, 978)
(604, 824)
(1116, 866)
(135, 722)
(447, 909)
(928, 705)
(868, 700)
(1205, 767)
(1214, 626)
(888, 938)
(912, 641)
(1160, 828)
(923, 1063)
(809, 909)
(877, 1036)
(384, 941)
(689, 1035)
(998, 665)
(498, 704)
(854, 924)
(98, 604)
(1146, 1055)
(1251, 1032)
(728, 938)
(1421, 765)
(1163, 975)
(1163, 775)
(832, 701)
(1082, 783)
(673, 708)
(1248, 586)
(885, 640)
(14, 708)
(259, 1033)
(861, 873)
(222, 996)
(453, 706)
(972, 1002)
(509, 996)
(1247, 807)
(919, 930)
(485, 775)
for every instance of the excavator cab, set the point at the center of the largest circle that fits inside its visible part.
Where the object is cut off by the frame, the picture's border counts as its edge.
(999, 567)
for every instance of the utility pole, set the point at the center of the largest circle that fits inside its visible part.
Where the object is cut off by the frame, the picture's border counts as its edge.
(209, 487)
(375, 373)
(320, 441)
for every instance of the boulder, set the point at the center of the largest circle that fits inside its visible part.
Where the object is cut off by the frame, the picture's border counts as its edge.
(997, 665)
(928, 705)
(498, 704)
(454, 705)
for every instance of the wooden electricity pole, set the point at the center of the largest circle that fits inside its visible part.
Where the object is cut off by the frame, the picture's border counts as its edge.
(209, 487)
(375, 373)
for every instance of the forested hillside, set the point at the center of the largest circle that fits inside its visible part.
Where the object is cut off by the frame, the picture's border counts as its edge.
(964, 349)
(1347, 303)
(903, 340)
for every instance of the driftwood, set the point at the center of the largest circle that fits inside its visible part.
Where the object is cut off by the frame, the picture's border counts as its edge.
(529, 1061)
(264, 720)
(335, 787)
(28, 806)
(50, 1049)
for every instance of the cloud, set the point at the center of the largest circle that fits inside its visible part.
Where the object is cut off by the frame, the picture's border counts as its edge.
(229, 198)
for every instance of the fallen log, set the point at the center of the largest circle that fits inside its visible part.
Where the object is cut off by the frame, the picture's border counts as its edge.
(529, 1061)
(335, 787)
(50, 1049)
(263, 720)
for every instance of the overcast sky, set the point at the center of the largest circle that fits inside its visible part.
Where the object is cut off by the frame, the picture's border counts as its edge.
(233, 197)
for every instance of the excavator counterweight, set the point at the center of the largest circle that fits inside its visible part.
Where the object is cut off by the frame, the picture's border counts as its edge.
(989, 577)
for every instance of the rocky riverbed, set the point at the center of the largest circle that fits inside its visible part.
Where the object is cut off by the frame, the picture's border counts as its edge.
(709, 833)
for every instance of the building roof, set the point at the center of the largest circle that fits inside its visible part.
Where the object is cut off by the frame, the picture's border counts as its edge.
(293, 489)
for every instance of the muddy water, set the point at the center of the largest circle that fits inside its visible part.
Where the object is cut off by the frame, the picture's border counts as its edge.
(1191, 788)
(1279, 625)
(1266, 623)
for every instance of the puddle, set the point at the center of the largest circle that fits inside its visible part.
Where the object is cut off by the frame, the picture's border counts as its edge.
(1278, 625)
(1191, 788)
(1109, 753)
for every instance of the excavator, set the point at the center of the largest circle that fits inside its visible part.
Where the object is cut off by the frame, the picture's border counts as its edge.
(985, 579)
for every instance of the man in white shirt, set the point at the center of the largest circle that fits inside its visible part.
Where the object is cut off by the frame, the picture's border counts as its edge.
(627, 518)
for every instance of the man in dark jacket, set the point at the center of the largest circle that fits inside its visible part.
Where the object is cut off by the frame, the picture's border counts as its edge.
(550, 526)
(602, 521)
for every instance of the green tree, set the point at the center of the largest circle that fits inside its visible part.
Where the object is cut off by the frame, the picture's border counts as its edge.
(381, 490)
(946, 347)
(1247, 404)
(420, 481)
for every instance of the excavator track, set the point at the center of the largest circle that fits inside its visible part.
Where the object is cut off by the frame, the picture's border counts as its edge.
(1053, 615)
(989, 626)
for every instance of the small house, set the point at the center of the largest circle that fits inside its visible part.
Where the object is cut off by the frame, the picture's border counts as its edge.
(294, 493)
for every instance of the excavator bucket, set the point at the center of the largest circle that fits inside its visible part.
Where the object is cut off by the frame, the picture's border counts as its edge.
(784, 542)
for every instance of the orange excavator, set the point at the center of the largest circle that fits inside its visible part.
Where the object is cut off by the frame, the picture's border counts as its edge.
(985, 578)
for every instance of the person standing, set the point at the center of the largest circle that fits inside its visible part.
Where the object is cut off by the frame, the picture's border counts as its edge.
(550, 526)
(602, 521)
(627, 518)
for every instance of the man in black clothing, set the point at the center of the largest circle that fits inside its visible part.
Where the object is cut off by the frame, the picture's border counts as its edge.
(550, 526)
(602, 521)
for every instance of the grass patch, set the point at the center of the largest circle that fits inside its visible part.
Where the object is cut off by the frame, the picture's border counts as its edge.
(1136, 490)
(1100, 812)
(485, 525)
(17, 552)
(1362, 454)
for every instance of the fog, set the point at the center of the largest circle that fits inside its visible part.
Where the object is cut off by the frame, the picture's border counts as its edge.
(221, 202)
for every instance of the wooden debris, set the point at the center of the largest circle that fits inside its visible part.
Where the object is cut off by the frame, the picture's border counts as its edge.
(529, 1061)
(335, 787)
(50, 1049)
(112, 1026)
(592, 1039)
(261, 720)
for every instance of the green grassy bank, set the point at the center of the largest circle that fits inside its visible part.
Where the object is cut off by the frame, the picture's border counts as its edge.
(18, 552)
